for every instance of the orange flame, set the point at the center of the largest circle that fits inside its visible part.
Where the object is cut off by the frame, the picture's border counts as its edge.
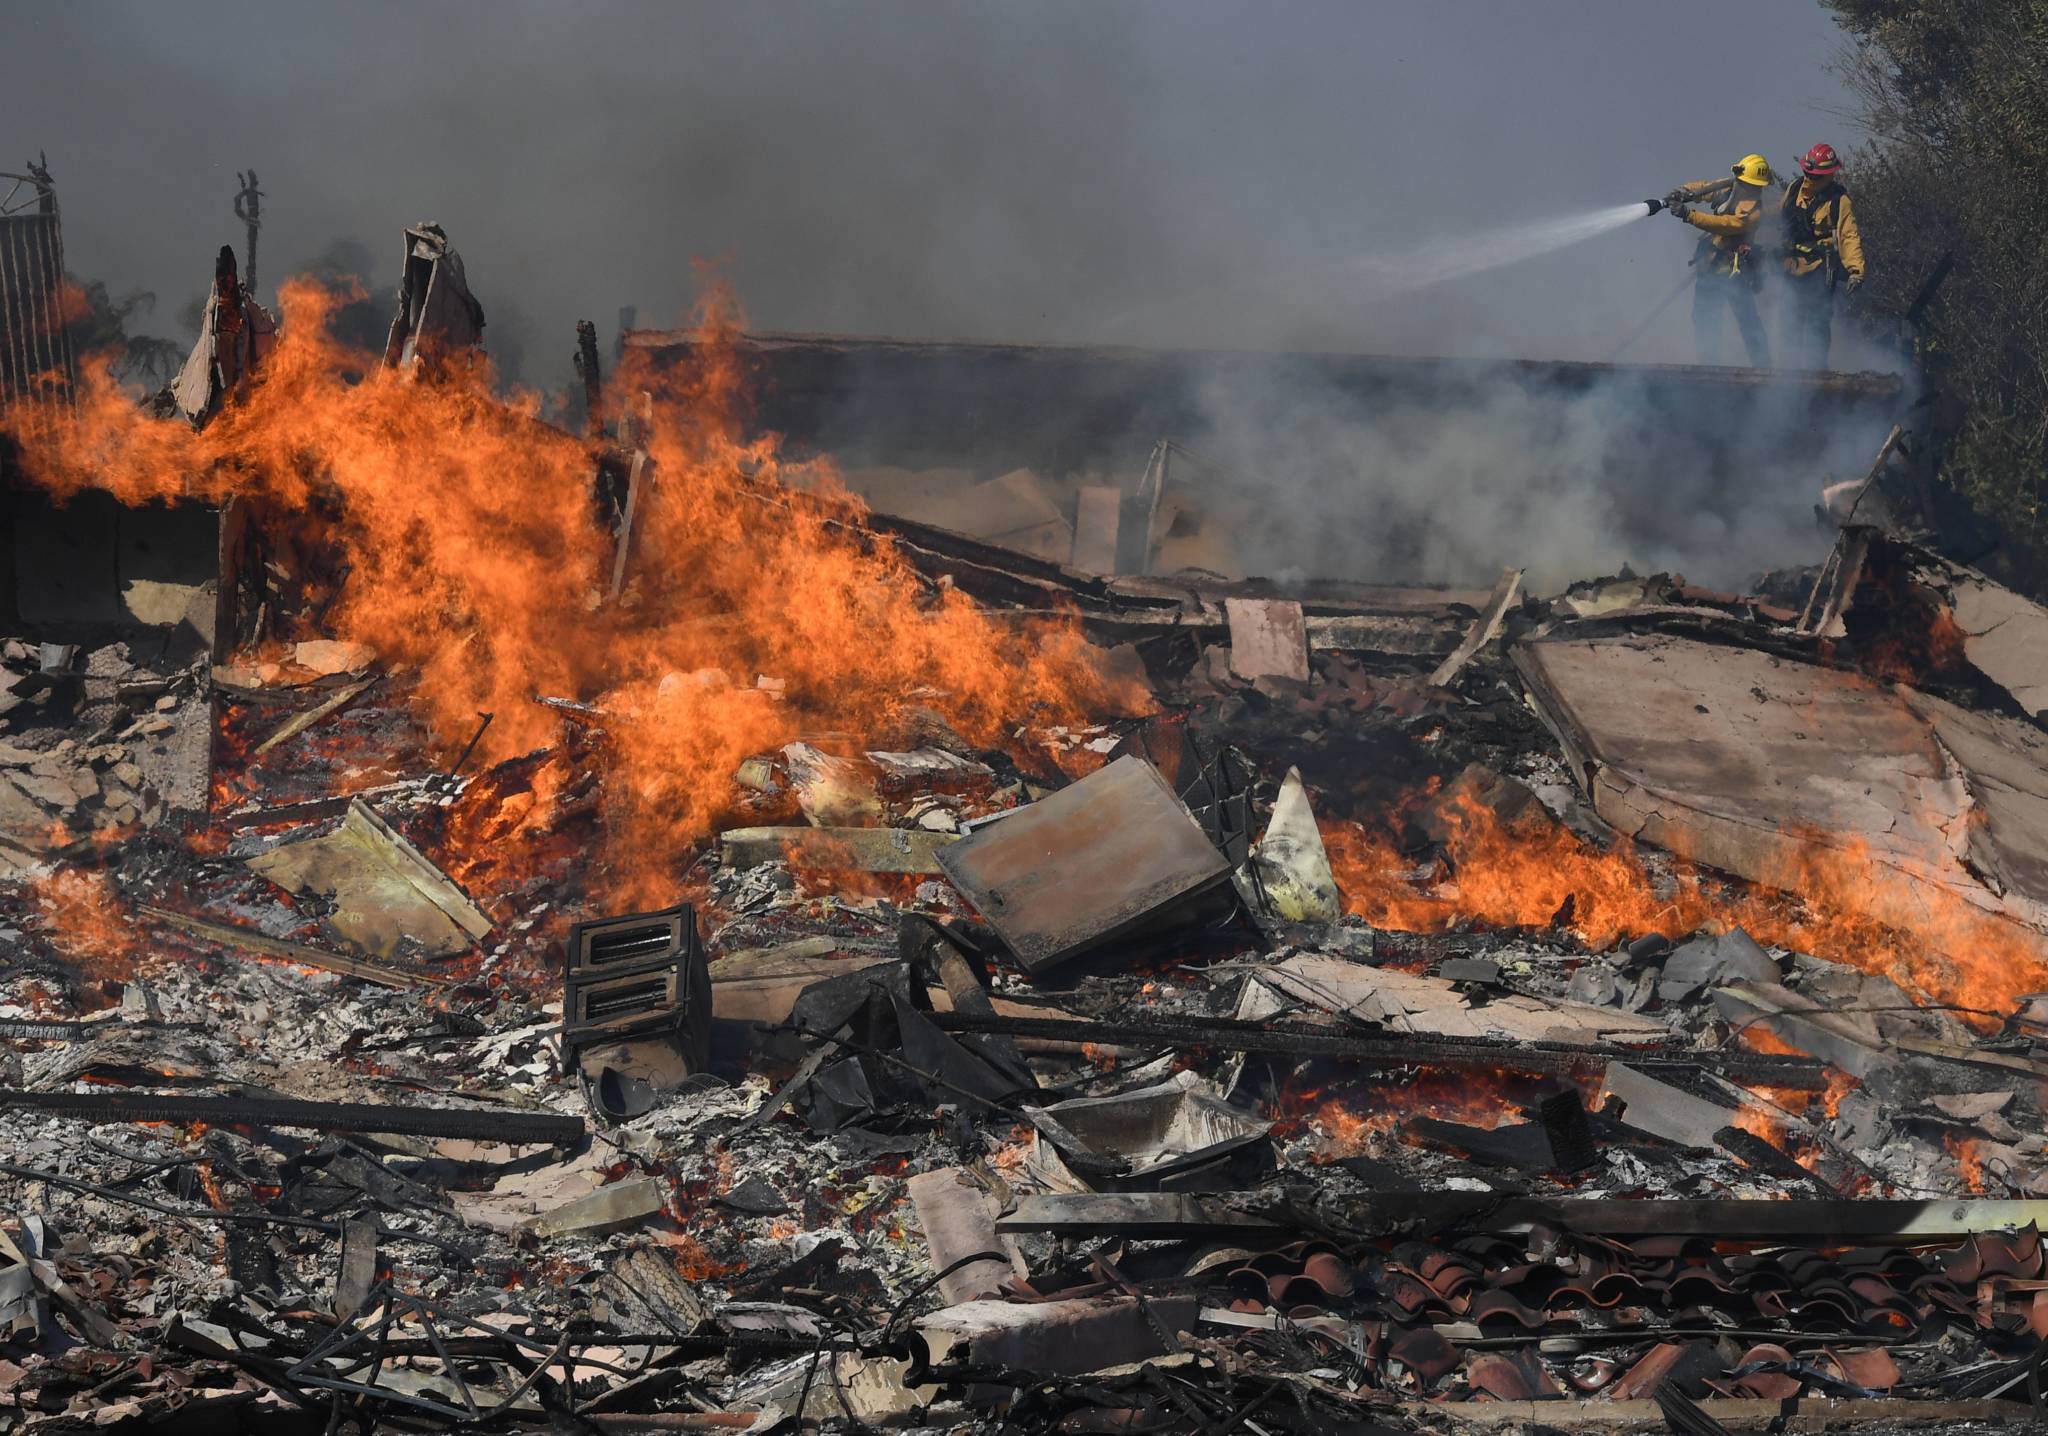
(1521, 880)
(1365, 1114)
(1969, 1161)
(1830, 900)
(1840, 1084)
(475, 555)
(1763, 1123)
(693, 1263)
(88, 922)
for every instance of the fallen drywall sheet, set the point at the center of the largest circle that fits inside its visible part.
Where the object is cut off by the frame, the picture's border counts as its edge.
(1267, 638)
(1013, 510)
(1098, 516)
(1747, 761)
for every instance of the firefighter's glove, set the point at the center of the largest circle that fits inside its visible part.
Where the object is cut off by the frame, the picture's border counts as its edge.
(1682, 212)
(1855, 283)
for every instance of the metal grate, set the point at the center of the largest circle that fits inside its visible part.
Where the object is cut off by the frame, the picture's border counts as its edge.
(36, 362)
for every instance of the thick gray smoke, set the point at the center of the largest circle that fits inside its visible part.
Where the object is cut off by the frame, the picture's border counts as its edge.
(1157, 172)
(1504, 469)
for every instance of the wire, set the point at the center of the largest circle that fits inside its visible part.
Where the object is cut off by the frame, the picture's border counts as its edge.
(1649, 319)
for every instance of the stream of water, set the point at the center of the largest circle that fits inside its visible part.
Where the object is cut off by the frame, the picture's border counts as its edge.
(1464, 256)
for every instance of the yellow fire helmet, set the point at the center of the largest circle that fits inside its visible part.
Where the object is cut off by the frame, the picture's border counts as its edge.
(1753, 169)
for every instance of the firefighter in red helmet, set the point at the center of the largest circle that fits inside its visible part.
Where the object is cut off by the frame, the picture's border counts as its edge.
(1823, 250)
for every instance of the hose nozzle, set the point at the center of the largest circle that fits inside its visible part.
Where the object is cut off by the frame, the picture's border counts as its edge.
(1654, 204)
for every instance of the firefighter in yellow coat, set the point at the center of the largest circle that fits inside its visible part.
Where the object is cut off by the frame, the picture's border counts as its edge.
(1727, 270)
(1823, 248)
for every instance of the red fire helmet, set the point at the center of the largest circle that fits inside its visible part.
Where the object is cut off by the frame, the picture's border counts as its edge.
(1821, 160)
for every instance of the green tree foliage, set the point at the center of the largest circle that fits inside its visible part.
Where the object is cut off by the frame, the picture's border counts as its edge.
(1955, 96)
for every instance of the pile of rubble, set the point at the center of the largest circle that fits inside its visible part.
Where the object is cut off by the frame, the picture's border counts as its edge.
(92, 741)
(1062, 1084)
(1394, 1006)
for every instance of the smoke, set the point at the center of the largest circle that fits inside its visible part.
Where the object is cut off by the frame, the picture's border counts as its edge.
(897, 167)
(1154, 172)
(1505, 467)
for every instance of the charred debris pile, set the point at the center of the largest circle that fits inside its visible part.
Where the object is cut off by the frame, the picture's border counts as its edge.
(1399, 1007)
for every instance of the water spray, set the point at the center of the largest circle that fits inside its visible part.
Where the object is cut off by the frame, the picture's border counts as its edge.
(1462, 258)
(1373, 277)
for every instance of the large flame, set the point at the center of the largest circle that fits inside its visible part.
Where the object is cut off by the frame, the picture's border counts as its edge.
(1503, 879)
(475, 556)
(1832, 900)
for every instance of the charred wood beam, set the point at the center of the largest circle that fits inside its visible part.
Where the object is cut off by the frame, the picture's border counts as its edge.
(588, 369)
(1038, 575)
(300, 722)
(1754, 1152)
(29, 1030)
(298, 952)
(1483, 628)
(1738, 1413)
(496, 1124)
(1179, 1215)
(1818, 1219)
(577, 1335)
(1387, 1050)
(639, 474)
(954, 357)
(1141, 1216)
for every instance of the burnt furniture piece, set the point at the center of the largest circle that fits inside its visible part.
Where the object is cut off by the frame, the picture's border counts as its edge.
(636, 1007)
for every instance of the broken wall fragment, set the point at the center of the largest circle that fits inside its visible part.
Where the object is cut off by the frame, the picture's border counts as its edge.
(236, 335)
(1268, 639)
(959, 1222)
(911, 851)
(832, 791)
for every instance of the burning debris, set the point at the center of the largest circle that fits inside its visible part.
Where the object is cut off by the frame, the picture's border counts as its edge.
(834, 968)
